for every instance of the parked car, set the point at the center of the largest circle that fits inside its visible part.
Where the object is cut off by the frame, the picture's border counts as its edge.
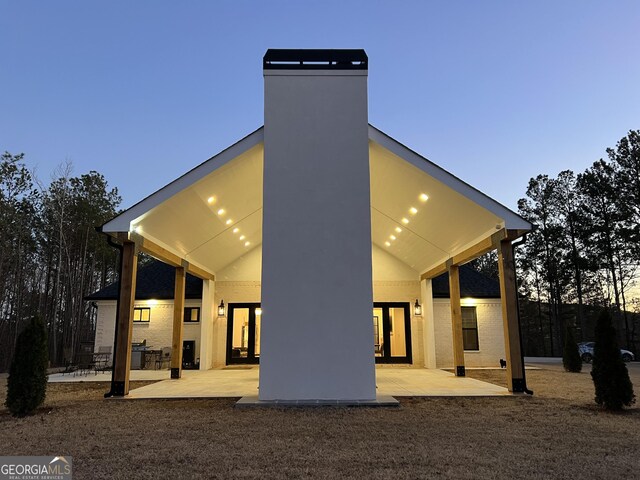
(586, 352)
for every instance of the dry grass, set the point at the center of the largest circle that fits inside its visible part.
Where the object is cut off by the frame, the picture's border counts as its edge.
(558, 433)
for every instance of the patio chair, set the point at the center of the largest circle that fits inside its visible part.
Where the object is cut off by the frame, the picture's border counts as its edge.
(85, 363)
(165, 356)
(103, 358)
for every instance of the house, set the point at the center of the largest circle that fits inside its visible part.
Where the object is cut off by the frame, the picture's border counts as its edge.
(303, 227)
(153, 322)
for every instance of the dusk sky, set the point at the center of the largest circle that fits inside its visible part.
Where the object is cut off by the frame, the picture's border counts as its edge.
(493, 91)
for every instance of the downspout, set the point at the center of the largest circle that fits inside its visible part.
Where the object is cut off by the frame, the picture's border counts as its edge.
(117, 246)
(515, 273)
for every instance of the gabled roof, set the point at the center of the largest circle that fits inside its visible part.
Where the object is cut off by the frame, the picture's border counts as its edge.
(212, 215)
(155, 281)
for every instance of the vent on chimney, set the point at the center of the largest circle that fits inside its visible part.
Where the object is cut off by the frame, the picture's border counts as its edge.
(276, 59)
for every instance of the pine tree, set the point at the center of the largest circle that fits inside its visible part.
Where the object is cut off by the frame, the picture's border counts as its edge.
(27, 384)
(610, 376)
(570, 354)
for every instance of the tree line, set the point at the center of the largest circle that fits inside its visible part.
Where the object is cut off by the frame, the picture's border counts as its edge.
(584, 252)
(51, 255)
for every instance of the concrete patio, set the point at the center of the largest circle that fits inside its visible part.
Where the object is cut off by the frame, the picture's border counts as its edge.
(243, 382)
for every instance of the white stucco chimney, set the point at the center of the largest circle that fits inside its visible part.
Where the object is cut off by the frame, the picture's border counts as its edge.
(317, 332)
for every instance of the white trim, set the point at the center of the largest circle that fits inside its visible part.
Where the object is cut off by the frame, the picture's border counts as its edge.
(122, 222)
(511, 219)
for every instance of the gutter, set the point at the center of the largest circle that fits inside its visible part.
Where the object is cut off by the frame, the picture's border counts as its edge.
(524, 375)
(118, 247)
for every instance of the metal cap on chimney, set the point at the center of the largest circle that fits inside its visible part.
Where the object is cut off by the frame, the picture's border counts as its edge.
(314, 59)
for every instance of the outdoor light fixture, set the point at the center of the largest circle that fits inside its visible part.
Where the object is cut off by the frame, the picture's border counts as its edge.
(417, 309)
(221, 309)
(258, 311)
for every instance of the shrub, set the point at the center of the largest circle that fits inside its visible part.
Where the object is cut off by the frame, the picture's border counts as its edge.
(609, 372)
(27, 384)
(570, 354)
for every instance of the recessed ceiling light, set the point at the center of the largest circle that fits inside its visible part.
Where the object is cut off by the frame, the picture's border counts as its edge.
(387, 244)
(236, 230)
(413, 210)
(229, 222)
(246, 244)
(211, 200)
(222, 211)
(392, 237)
(405, 220)
(242, 237)
(424, 197)
(398, 229)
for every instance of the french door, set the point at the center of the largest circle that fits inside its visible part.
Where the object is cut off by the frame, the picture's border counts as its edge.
(243, 333)
(392, 332)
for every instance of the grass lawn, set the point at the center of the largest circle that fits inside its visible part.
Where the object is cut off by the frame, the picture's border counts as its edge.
(558, 433)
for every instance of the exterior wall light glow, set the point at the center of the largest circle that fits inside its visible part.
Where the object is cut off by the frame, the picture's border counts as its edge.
(221, 212)
(246, 244)
(258, 311)
(221, 309)
(211, 200)
(236, 230)
(405, 220)
(417, 309)
(242, 237)
(424, 197)
(413, 210)
(229, 222)
(387, 244)
(392, 237)
(398, 229)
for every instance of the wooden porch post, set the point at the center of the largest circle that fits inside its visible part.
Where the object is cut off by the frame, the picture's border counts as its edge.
(456, 320)
(508, 297)
(178, 319)
(124, 330)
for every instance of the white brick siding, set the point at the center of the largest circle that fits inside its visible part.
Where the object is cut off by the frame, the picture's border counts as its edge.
(490, 333)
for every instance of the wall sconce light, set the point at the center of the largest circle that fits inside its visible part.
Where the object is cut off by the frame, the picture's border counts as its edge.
(258, 312)
(221, 309)
(417, 309)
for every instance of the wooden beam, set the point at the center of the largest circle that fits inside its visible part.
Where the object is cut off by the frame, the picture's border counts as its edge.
(508, 298)
(435, 271)
(178, 319)
(480, 248)
(151, 248)
(456, 320)
(124, 323)
(483, 246)
(197, 271)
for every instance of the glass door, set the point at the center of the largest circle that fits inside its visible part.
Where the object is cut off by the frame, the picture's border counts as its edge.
(243, 333)
(392, 332)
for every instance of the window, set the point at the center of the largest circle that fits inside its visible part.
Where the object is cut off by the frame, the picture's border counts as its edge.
(470, 328)
(192, 314)
(141, 314)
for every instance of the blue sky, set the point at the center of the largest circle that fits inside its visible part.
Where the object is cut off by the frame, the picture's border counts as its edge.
(493, 91)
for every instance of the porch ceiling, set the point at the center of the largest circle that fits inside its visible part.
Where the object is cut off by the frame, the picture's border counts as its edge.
(434, 220)
(213, 214)
(215, 220)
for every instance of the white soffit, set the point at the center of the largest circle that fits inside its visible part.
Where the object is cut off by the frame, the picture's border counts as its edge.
(124, 221)
(454, 217)
(210, 216)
